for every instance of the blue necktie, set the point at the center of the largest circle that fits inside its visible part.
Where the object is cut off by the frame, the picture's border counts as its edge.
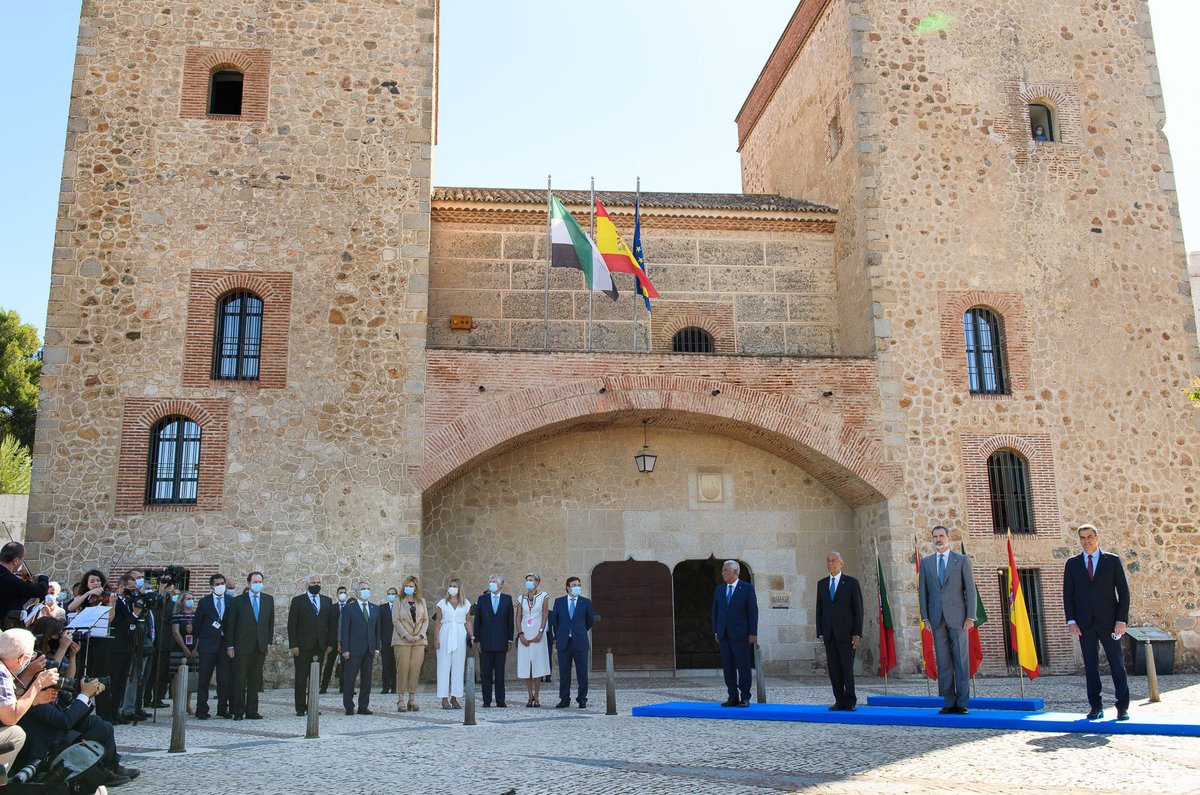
(941, 569)
(254, 602)
(728, 594)
(571, 609)
(832, 588)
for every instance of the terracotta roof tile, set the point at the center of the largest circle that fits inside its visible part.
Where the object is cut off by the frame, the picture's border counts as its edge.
(682, 201)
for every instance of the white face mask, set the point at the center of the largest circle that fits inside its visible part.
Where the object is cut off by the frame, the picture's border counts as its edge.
(365, 594)
(576, 590)
(342, 596)
(493, 587)
(50, 598)
(219, 590)
(409, 590)
(452, 590)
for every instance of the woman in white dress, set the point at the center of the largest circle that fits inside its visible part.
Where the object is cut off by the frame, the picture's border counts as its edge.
(533, 660)
(451, 641)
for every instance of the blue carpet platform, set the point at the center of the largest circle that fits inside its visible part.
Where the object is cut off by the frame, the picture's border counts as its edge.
(908, 716)
(936, 702)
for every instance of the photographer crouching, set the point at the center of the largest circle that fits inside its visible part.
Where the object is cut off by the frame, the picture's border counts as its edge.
(62, 709)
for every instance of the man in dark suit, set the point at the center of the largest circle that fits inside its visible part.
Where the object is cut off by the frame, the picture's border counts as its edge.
(212, 612)
(948, 603)
(387, 660)
(839, 625)
(494, 630)
(1096, 601)
(359, 641)
(128, 625)
(333, 659)
(735, 626)
(572, 619)
(15, 592)
(250, 629)
(311, 629)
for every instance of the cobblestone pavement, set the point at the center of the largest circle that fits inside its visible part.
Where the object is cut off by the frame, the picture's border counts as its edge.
(520, 751)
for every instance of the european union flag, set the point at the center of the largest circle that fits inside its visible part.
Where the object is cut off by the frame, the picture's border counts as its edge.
(637, 253)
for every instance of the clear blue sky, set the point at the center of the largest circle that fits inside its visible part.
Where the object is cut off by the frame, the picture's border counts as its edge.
(663, 99)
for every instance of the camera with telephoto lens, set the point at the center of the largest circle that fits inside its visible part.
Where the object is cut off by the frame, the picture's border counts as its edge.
(80, 635)
(173, 575)
(66, 684)
(146, 601)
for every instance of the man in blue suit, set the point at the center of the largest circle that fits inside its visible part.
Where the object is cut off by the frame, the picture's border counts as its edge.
(572, 619)
(495, 626)
(735, 625)
(359, 637)
(209, 621)
(948, 602)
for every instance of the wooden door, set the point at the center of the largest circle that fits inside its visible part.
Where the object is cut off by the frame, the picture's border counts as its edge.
(632, 602)
(695, 581)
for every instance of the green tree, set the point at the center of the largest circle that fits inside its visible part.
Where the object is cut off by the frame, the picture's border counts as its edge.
(1194, 393)
(20, 369)
(14, 466)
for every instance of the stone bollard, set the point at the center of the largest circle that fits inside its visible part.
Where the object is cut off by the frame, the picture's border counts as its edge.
(1152, 675)
(469, 694)
(179, 708)
(610, 686)
(760, 684)
(312, 727)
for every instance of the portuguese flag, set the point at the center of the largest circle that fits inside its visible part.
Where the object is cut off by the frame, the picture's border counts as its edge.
(618, 256)
(887, 631)
(570, 247)
(973, 640)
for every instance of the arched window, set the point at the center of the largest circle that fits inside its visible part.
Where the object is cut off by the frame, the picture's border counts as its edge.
(174, 462)
(225, 93)
(1041, 122)
(985, 352)
(1011, 494)
(692, 339)
(239, 337)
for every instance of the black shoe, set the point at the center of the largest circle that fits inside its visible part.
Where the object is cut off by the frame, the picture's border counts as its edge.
(365, 711)
(745, 702)
(225, 715)
(733, 702)
(115, 780)
(850, 708)
(1122, 714)
(142, 714)
(501, 704)
(583, 703)
(128, 772)
(349, 710)
(836, 708)
(237, 717)
(566, 702)
(946, 711)
(205, 716)
(487, 705)
(1096, 714)
(120, 720)
(300, 713)
(253, 716)
(961, 710)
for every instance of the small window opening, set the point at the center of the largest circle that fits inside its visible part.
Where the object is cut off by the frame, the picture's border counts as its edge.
(1041, 123)
(835, 137)
(692, 340)
(225, 94)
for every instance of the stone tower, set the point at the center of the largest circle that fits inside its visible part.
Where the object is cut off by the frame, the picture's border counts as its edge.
(311, 194)
(921, 131)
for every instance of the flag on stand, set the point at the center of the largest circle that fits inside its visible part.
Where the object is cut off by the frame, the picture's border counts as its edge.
(618, 256)
(1018, 616)
(570, 247)
(927, 657)
(638, 257)
(973, 640)
(887, 632)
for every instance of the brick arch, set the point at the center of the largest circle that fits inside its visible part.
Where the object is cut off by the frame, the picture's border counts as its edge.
(241, 280)
(198, 67)
(138, 418)
(844, 459)
(1007, 441)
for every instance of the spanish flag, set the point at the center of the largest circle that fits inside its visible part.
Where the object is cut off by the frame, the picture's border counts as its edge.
(1018, 616)
(928, 659)
(618, 256)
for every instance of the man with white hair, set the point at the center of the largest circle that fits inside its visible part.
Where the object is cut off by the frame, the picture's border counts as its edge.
(16, 652)
(735, 627)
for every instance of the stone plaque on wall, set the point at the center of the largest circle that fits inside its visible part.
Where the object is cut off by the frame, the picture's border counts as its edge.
(710, 487)
(781, 600)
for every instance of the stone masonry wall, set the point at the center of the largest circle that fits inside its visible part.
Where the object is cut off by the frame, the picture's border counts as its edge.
(331, 186)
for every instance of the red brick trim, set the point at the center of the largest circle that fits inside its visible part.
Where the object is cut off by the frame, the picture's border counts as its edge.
(1014, 335)
(803, 431)
(205, 290)
(1036, 449)
(715, 317)
(199, 63)
(138, 418)
(805, 18)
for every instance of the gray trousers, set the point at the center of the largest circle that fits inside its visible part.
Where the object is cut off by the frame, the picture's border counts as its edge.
(953, 664)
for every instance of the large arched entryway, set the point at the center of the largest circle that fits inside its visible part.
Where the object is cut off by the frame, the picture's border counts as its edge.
(693, 583)
(632, 602)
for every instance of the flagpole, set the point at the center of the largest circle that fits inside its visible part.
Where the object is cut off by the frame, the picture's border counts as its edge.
(879, 597)
(592, 286)
(921, 627)
(546, 299)
(636, 297)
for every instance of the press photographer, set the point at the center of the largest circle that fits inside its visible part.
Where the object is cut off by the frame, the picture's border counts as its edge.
(14, 590)
(131, 627)
(170, 584)
(16, 654)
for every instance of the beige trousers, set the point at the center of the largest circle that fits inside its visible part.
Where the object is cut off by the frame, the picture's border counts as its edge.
(408, 667)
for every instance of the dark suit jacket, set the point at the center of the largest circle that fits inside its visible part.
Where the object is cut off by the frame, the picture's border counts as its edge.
(245, 634)
(306, 628)
(15, 592)
(1102, 601)
(566, 628)
(841, 619)
(385, 626)
(358, 634)
(737, 620)
(46, 723)
(210, 639)
(494, 630)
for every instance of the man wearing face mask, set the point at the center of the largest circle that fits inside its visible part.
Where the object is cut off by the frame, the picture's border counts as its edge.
(211, 614)
(127, 623)
(158, 671)
(16, 652)
(312, 625)
(359, 641)
(387, 662)
(333, 658)
(573, 619)
(494, 629)
(250, 629)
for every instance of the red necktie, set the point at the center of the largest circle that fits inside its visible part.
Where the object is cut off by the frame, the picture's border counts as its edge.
(1091, 571)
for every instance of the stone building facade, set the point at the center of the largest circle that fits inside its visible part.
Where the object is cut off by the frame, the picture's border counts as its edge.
(414, 408)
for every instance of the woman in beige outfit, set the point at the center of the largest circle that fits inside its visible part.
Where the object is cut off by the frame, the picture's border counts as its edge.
(410, 623)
